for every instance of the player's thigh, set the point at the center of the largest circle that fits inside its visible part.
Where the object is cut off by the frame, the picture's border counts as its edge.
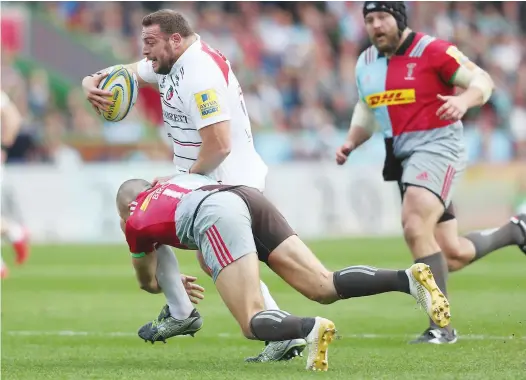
(238, 286)
(293, 261)
(223, 228)
(223, 231)
(437, 170)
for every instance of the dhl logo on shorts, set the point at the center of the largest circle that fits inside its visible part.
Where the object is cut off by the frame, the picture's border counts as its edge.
(391, 98)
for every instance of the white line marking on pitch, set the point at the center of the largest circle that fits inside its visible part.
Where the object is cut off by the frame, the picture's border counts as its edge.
(236, 336)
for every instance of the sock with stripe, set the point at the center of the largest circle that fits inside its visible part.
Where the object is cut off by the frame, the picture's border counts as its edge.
(488, 241)
(361, 281)
(169, 278)
(278, 325)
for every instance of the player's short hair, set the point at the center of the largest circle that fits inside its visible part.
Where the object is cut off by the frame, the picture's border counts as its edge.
(169, 22)
(128, 192)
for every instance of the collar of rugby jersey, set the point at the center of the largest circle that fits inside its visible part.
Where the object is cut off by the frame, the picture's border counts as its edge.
(405, 45)
(185, 56)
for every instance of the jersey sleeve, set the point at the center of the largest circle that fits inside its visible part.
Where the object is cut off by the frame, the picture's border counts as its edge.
(145, 71)
(359, 69)
(208, 98)
(447, 59)
(136, 241)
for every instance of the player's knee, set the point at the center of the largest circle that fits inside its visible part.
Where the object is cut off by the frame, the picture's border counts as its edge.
(451, 250)
(323, 292)
(454, 257)
(414, 227)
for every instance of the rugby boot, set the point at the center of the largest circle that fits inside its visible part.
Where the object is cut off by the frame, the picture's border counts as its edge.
(166, 326)
(428, 295)
(318, 340)
(436, 335)
(520, 221)
(279, 351)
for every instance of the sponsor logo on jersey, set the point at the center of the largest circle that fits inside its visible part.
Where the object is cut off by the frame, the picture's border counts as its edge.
(410, 68)
(207, 103)
(458, 56)
(170, 93)
(175, 117)
(391, 98)
(153, 195)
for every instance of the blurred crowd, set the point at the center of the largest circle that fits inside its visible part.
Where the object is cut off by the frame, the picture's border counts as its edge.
(295, 61)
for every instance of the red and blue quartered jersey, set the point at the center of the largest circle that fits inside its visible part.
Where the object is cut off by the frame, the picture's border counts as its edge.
(152, 220)
(402, 90)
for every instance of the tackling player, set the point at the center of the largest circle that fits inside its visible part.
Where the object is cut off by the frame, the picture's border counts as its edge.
(234, 226)
(206, 117)
(406, 84)
(13, 231)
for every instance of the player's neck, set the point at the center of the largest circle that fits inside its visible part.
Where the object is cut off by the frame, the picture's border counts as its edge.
(188, 41)
(404, 36)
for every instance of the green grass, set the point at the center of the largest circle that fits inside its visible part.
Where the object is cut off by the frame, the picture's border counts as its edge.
(92, 289)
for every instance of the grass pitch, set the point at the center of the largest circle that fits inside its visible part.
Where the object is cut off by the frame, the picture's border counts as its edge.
(72, 312)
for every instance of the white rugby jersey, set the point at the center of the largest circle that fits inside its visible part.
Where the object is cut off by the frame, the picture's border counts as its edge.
(201, 90)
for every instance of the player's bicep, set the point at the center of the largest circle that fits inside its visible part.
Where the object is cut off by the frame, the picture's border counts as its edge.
(363, 117)
(466, 74)
(447, 59)
(144, 72)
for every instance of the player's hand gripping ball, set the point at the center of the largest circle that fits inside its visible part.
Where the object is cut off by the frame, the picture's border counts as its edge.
(124, 88)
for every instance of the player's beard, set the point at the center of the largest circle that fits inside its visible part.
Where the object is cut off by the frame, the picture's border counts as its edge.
(390, 46)
(163, 67)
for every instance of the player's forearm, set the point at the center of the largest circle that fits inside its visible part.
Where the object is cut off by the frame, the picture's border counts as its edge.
(358, 135)
(145, 266)
(209, 159)
(152, 287)
(131, 67)
(362, 125)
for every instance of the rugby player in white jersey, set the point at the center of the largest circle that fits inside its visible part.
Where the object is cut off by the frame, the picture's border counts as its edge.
(11, 229)
(206, 118)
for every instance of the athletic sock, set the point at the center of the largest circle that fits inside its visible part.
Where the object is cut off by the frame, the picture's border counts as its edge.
(169, 278)
(278, 325)
(438, 265)
(361, 281)
(488, 241)
(270, 303)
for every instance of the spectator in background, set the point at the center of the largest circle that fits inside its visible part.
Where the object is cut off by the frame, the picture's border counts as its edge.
(519, 204)
(54, 149)
(291, 56)
(518, 115)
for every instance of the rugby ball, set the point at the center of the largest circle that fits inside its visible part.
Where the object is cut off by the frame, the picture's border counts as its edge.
(124, 88)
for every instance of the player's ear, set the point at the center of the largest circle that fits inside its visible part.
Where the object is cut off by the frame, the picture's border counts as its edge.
(176, 39)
